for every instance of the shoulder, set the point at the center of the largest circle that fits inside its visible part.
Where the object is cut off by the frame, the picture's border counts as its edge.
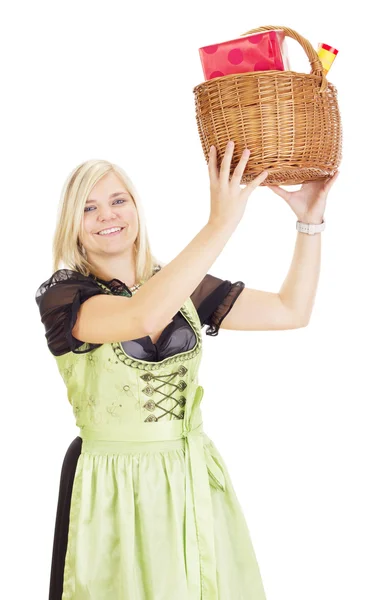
(63, 285)
(62, 276)
(59, 299)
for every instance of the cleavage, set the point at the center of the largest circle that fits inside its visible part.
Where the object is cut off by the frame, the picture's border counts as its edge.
(156, 335)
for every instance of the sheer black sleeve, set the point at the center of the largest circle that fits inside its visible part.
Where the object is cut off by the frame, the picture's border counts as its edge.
(59, 299)
(213, 298)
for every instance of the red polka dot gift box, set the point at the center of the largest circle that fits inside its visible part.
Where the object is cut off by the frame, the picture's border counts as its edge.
(255, 52)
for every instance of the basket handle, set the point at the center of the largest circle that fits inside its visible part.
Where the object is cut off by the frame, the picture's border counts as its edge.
(315, 62)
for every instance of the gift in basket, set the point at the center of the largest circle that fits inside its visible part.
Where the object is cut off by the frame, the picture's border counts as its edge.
(290, 121)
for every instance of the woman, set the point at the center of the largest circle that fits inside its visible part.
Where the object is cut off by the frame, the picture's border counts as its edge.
(146, 508)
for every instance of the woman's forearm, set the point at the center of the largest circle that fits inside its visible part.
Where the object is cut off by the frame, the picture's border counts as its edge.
(299, 288)
(164, 293)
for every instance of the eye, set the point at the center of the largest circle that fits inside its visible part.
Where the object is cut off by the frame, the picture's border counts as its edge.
(118, 200)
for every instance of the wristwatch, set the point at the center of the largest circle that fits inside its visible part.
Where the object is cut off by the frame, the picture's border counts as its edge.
(310, 228)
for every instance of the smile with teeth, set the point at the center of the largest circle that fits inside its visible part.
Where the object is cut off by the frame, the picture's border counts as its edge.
(111, 231)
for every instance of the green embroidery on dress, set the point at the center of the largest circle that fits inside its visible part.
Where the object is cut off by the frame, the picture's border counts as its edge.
(113, 410)
(68, 372)
(95, 414)
(69, 368)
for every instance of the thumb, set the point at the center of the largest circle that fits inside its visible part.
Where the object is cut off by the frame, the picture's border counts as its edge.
(330, 181)
(279, 191)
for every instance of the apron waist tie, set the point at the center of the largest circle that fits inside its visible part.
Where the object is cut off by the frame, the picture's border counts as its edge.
(201, 471)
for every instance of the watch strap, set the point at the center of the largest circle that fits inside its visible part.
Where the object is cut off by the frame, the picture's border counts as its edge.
(310, 228)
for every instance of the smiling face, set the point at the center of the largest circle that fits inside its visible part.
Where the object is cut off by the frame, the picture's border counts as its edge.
(109, 206)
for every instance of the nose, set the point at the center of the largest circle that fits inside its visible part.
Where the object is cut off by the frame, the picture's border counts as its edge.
(106, 213)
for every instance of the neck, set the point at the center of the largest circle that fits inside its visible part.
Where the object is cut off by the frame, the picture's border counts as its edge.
(115, 267)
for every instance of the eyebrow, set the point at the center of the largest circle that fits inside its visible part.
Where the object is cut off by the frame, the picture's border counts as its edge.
(111, 196)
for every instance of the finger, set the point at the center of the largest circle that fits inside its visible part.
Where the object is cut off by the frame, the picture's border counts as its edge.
(212, 165)
(252, 185)
(226, 162)
(240, 167)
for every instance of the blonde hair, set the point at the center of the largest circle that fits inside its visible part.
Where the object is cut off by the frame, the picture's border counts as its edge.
(67, 247)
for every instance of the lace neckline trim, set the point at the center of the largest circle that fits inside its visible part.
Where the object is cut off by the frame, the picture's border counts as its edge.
(116, 284)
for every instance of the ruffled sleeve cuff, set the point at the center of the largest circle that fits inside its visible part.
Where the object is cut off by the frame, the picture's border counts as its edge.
(215, 319)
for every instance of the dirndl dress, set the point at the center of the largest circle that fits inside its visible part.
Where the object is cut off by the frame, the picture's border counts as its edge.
(146, 508)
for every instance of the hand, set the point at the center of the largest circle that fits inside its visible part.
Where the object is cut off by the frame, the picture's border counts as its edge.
(228, 201)
(309, 202)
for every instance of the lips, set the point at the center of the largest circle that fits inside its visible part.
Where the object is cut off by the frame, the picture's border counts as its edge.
(109, 234)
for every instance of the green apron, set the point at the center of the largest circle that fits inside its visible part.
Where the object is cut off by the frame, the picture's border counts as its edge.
(148, 474)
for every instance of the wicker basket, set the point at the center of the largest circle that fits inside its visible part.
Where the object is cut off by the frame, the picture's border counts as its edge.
(290, 121)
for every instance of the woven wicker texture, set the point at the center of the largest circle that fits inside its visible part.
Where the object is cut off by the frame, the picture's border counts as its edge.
(290, 121)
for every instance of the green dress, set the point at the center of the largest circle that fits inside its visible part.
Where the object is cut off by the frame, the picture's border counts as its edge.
(153, 513)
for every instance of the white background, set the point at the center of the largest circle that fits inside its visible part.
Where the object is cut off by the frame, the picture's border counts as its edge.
(288, 410)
